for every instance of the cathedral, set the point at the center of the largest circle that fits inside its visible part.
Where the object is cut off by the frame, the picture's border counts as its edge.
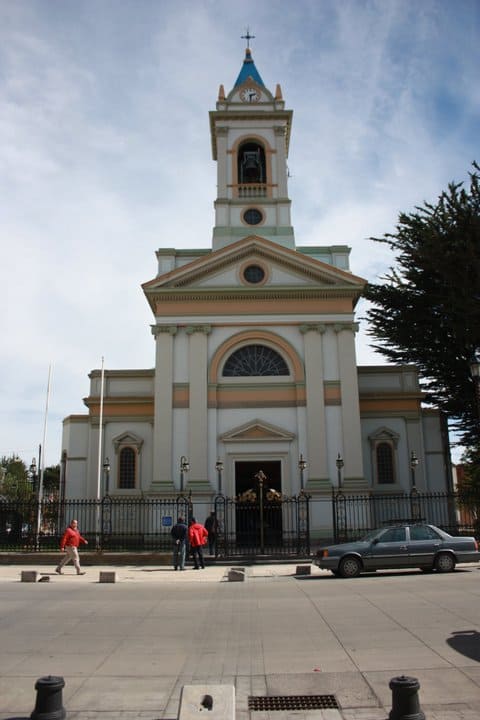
(255, 365)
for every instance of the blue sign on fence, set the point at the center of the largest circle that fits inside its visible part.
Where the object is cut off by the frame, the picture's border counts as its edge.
(167, 521)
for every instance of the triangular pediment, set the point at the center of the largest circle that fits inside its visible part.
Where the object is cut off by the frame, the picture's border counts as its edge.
(284, 268)
(127, 439)
(257, 431)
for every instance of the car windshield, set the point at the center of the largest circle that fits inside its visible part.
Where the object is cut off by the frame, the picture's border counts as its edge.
(371, 535)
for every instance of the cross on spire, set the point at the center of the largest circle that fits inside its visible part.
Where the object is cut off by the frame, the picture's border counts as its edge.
(248, 37)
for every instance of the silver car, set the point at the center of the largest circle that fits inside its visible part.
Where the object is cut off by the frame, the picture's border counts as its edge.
(413, 545)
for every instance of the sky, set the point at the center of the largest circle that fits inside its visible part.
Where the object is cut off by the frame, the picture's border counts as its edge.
(105, 157)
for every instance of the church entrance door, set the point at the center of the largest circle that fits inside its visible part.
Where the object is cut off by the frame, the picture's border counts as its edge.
(258, 490)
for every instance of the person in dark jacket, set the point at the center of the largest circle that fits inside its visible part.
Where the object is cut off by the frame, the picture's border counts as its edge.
(179, 534)
(197, 538)
(211, 526)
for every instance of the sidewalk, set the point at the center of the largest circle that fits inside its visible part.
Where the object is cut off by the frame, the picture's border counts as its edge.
(126, 649)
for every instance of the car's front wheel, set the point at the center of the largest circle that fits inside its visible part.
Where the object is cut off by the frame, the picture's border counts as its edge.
(350, 567)
(444, 562)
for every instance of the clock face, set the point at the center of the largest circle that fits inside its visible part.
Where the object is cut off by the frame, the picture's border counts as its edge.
(249, 94)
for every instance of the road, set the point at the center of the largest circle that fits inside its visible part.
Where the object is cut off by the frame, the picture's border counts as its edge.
(126, 649)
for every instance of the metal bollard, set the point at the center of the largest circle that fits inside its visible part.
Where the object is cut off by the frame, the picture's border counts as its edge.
(405, 702)
(49, 704)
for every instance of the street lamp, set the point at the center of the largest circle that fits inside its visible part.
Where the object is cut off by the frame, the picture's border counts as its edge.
(106, 470)
(184, 468)
(302, 465)
(413, 465)
(32, 474)
(475, 373)
(339, 463)
(219, 469)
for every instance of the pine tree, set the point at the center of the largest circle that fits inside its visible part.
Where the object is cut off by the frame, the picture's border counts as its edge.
(427, 311)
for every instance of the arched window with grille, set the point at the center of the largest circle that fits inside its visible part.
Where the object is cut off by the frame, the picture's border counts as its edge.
(255, 361)
(385, 465)
(127, 468)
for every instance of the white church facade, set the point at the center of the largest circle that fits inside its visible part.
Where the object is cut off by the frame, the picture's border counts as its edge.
(255, 363)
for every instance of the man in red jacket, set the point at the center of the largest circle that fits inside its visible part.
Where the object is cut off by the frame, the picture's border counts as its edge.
(69, 544)
(197, 538)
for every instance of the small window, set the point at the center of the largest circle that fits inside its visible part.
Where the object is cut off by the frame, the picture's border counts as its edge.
(384, 454)
(252, 216)
(254, 274)
(127, 470)
(397, 534)
(422, 532)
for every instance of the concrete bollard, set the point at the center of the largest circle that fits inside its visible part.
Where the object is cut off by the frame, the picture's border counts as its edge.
(29, 576)
(303, 570)
(405, 702)
(236, 575)
(49, 704)
(107, 576)
(215, 702)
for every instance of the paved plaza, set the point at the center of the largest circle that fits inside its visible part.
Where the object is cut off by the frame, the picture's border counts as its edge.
(126, 649)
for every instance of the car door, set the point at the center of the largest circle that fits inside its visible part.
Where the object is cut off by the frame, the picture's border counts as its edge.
(423, 545)
(389, 550)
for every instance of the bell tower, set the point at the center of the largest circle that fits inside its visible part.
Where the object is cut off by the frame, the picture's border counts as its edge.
(250, 133)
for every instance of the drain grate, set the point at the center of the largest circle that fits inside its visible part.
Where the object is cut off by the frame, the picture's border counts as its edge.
(292, 702)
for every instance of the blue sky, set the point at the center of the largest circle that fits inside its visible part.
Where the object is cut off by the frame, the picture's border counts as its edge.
(105, 156)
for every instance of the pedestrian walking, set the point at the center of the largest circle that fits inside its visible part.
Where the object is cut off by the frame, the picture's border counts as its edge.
(179, 534)
(197, 538)
(69, 544)
(211, 526)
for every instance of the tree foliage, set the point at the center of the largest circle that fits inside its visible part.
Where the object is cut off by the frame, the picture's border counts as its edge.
(14, 483)
(427, 310)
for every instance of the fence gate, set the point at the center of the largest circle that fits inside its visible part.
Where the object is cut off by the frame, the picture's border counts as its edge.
(273, 525)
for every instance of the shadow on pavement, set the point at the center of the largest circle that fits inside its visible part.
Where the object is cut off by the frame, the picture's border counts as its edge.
(466, 642)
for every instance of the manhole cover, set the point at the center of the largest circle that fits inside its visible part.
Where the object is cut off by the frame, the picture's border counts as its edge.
(292, 702)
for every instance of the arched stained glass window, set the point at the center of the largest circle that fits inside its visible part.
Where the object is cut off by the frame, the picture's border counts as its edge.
(127, 469)
(255, 360)
(385, 473)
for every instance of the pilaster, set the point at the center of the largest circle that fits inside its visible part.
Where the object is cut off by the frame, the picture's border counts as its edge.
(197, 417)
(315, 410)
(163, 413)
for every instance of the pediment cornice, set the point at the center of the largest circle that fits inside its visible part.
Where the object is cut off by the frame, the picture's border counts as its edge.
(254, 247)
(257, 431)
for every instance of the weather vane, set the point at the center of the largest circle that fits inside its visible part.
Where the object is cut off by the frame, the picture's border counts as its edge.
(248, 37)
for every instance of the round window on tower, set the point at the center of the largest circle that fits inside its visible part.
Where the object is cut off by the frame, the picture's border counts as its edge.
(252, 216)
(254, 274)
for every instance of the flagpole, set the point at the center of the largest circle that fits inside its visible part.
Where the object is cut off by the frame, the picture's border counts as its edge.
(99, 462)
(42, 459)
(100, 434)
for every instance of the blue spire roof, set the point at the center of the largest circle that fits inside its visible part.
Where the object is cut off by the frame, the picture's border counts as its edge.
(248, 70)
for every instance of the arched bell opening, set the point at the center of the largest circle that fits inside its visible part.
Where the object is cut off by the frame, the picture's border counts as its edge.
(251, 164)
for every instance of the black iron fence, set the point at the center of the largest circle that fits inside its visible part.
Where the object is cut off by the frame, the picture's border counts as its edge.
(355, 515)
(275, 525)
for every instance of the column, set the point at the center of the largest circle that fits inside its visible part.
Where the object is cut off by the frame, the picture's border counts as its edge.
(316, 450)
(163, 411)
(350, 408)
(198, 410)
(281, 161)
(222, 159)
